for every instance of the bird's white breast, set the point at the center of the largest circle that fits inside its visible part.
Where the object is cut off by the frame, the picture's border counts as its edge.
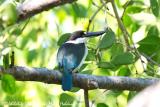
(77, 41)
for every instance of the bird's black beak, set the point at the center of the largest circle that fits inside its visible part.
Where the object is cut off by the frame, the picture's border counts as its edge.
(94, 34)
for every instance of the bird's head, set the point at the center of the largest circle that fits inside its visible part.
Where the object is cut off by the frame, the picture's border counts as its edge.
(80, 36)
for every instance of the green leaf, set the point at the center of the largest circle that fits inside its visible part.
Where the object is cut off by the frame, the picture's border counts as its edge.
(78, 11)
(61, 14)
(153, 31)
(157, 56)
(63, 38)
(116, 49)
(150, 71)
(82, 67)
(6, 61)
(32, 34)
(107, 40)
(155, 8)
(91, 56)
(150, 40)
(106, 65)
(15, 31)
(102, 105)
(74, 89)
(10, 12)
(135, 26)
(103, 71)
(127, 20)
(1, 1)
(56, 67)
(66, 100)
(134, 9)
(114, 93)
(149, 45)
(123, 59)
(24, 42)
(8, 83)
(112, 97)
(86, 72)
(131, 95)
(124, 71)
(148, 49)
(31, 55)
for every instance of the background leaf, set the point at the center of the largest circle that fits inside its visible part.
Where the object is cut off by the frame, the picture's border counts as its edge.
(124, 71)
(154, 7)
(153, 31)
(86, 72)
(107, 40)
(102, 105)
(10, 12)
(123, 59)
(150, 40)
(149, 45)
(116, 49)
(6, 61)
(66, 100)
(31, 56)
(107, 65)
(8, 83)
(74, 89)
(63, 39)
(134, 9)
(131, 95)
(127, 20)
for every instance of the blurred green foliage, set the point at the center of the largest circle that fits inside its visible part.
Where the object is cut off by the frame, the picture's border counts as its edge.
(8, 83)
(35, 42)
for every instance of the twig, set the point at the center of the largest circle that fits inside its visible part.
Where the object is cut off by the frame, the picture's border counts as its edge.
(150, 59)
(86, 98)
(125, 33)
(103, 9)
(93, 16)
(103, 2)
(137, 52)
(12, 59)
(25, 25)
(125, 7)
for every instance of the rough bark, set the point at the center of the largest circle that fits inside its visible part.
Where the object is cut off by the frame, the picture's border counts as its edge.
(82, 81)
(32, 7)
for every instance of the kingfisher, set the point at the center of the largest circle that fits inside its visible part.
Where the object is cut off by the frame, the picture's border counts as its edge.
(72, 54)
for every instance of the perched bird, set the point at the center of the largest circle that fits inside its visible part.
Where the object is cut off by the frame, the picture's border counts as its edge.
(72, 54)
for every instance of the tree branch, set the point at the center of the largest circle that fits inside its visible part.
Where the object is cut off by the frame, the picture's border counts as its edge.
(79, 80)
(32, 7)
(94, 15)
(126, 35)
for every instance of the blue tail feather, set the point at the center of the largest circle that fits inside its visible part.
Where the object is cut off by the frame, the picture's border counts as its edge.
(67, 81)
(66, 75)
